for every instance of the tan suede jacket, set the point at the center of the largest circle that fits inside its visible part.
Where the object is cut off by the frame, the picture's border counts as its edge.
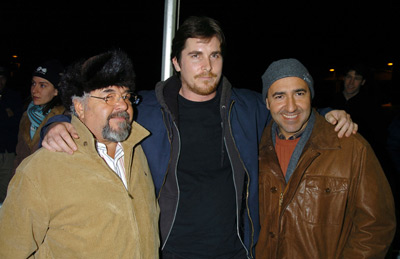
(337, 204)
(75, 206)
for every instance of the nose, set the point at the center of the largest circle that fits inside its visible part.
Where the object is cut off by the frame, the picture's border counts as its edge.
(122, 104)
(206, 66)
(291, 105)
(34, 88)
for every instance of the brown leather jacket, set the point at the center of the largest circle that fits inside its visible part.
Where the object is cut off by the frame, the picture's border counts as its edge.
(337, 204)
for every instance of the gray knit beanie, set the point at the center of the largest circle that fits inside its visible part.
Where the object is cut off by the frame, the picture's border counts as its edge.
(285, 68)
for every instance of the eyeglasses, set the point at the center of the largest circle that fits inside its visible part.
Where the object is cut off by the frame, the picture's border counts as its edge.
(113, 98)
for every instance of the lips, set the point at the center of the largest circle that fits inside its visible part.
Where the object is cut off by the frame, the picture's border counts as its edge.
(290, 116)
(124, 116)
(206, 76)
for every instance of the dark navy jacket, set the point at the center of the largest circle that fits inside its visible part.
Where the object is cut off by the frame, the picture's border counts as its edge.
(244, 116)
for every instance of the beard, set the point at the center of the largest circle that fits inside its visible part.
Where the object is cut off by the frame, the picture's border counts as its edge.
(208, 88)
(123, 130)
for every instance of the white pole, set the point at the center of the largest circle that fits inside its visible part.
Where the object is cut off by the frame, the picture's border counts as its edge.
(170, 21)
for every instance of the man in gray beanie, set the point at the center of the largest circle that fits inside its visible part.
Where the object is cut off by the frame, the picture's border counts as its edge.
(320, 196)
(286, 68)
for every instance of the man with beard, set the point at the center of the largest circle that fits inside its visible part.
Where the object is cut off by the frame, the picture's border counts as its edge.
(99, 202)
(203, 149)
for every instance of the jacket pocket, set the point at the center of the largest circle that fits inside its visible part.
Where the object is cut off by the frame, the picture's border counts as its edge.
(324, 200)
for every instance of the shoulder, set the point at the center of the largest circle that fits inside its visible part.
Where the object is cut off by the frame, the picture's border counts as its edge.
(57, 110)
(324, 134)
(246, 94)
(249, 102)
(247, 97)
(44, 162)
(147, 99)
(149, 111)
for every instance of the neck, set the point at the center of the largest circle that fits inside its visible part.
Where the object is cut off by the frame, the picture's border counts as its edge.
(347, 96)
(111, 147)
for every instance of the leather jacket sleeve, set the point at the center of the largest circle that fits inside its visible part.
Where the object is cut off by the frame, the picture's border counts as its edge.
(374, 221)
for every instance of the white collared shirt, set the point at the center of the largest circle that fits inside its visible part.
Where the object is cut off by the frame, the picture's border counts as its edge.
(116, 163)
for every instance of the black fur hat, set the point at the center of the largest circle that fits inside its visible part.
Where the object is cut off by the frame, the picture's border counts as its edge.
(103, 70)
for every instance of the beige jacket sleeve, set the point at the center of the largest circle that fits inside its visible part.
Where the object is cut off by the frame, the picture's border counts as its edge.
(23, 219)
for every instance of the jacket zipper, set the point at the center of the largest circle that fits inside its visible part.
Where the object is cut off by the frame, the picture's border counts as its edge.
(177, 184)
(170, 144)
(247, 191)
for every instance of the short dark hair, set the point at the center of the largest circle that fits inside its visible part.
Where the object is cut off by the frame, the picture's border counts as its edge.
(360, 69)
(109, 68)
(196, 27)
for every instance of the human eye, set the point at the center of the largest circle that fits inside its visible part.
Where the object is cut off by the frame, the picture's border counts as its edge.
(216, 55)
(110, 98)
(126, 96)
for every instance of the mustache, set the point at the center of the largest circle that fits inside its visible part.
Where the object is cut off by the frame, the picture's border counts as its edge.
(122, 114)
(206, 74)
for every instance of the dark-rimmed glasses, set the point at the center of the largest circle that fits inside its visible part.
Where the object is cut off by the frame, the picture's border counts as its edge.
(113, 98)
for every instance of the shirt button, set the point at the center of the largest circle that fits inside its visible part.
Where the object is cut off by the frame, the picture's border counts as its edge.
(85, 143)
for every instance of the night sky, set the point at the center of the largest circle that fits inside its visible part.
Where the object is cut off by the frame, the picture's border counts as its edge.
(321, 34)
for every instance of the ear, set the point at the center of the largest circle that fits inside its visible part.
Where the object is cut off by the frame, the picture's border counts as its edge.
(79, 109)
(176, 64)
(56, 92)
(266, 101)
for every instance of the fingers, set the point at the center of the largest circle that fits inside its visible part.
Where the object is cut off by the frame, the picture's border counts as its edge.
(355, 128)
(330, 118)
(58, 138)
(345, 126)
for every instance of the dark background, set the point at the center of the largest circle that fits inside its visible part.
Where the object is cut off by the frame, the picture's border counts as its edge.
(321, 34)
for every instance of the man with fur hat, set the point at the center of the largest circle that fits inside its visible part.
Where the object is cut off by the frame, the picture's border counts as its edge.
(99, 202)
(320, 196)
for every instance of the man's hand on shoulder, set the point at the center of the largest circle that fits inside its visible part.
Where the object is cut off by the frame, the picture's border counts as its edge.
(59, 137)
(344, 125)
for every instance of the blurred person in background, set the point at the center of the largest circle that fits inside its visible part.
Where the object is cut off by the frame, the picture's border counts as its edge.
(45, 103)
(10, 115)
